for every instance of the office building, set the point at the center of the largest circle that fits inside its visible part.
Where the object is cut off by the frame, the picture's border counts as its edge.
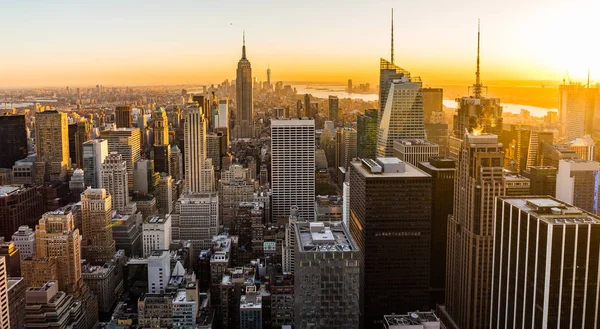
(106, 281)
(164, 197)
(13, 139)
(4, 306)
(432, 103)
(24, 240)
(442, 171)
(230, 195)
(16, 302)
(516, 185)
(345, 147)
(293, 167)
(334, 108)
(13, 258)
(470, 232)
(94, 153)
(244, 114)
(366, 134)
(327, 276)
(553, 153)
(56, 237)
(251, 316)
(196, 218)
(576, 105)
(542, 180)
(145, 179)
(412, 320)
(577, 184)
(114, 179)
(51, 146)
(36, 271)
(162, 158)
(159, 270)
(222, 120)
(84, 134)
(156, 234)
(98, 246)
(477, 113)
(160, 124)
(77, 184)
(390, 210)
(199, 173)
(23, 172)
(545, 265)
(402, 116)
(6, 176)
(127, 231)
(415, 151)
(155, 311)
(248, 226)
(19, 205)
(126, 142)
(437, 133)
(585, 147)
(123, 118)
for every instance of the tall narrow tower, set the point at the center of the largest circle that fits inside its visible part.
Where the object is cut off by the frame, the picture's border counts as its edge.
(98, 246)
(470, 231)
(51, 146)
(114, 180)
(199, 173)
(269, 77)
(244, 117)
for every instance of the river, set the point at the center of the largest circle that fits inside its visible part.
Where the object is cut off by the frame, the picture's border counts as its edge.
(326, 91)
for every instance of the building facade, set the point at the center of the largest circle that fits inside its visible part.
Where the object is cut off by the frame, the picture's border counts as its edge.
(94, 153)
(244, 116)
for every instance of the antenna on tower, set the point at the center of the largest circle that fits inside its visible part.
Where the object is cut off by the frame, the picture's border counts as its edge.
(477, 88)
(588, 83)
(392, 36)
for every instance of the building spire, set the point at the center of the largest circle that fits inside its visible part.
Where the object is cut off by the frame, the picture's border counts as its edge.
(244, 45)
(392, 59)
(477, 86)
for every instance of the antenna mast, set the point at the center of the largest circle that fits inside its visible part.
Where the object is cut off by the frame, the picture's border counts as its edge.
(392, 36)
(477, 88)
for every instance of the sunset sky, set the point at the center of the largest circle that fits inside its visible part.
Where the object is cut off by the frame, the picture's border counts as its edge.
(52, 43)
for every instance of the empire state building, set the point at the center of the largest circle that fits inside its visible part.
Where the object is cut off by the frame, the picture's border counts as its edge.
(244, 121)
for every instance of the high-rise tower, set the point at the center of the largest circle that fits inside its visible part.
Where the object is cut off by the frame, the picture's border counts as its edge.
(293, 167)
(162, 149)
(480, 179)
(123, 116)
(56, 237)
(244, 116)
(199, 173)
(269, 78)
(114, 179)
(127, 142)
(51, 146)
(402, 117)
(13, 139)
(94, 153)
(98, 246)
(478, 113)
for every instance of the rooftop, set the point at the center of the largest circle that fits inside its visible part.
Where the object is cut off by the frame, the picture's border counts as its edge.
(156, 220)
(552, 211)
(411, 319)
(411, 142)
(316, 237)
(387, 167)
(6, 190)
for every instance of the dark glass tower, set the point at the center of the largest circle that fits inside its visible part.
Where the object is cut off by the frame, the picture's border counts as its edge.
(366, 134)
(13, 139)
(390, 220)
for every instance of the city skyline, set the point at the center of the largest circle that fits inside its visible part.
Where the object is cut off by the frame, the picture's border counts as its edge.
(151, 44)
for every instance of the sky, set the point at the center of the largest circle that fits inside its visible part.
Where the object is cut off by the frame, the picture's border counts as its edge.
(151, 42)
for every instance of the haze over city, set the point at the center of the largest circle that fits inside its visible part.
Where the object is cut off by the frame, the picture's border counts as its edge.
(191, 42)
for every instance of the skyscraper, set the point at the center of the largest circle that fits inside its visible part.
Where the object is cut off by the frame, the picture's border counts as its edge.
(577, 183)
(432, 103)
(13, 139)
(123, 116)
(390, 220)
(415, 151)
(56, 237)
(327, 276)
(84, 134)
(542, 180)
(345, 150)
(196, 218)
(98, 246)
(442, 172)
(161, 127)
(334, 108)
(114, 180)
(4, 316)
(402, 116)
(269, 77)
(477, 113)
(52, 146)
(470, 232)
(94, 153)
(199, 173)
(545, 266)
(126, 142)
(244, 116)
(366, 134)
(307, 107)
(293, 167)
(576, 105)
